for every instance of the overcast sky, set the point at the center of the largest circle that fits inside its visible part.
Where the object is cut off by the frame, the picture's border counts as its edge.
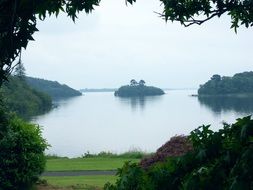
(117, 43)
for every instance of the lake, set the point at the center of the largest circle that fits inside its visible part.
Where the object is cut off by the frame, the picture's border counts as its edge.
(98, 122)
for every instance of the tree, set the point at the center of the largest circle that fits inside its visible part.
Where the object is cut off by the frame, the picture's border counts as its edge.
(20, 71)
(22, 155)
(133, 82)
(142, 82)
(216, 77)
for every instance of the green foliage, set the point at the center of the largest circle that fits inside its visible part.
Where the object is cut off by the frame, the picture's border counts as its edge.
(3, 117)
(220, 160)
(22, 155)
(52, 88)
(138, 89)
(188, 12)
(131, 176)
(240, 83)
(22, 99)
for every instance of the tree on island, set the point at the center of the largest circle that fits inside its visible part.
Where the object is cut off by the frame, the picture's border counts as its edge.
(133, 82)
(142, 83)
(216, 77)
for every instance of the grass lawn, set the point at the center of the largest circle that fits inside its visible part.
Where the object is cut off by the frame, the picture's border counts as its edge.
(96, 163)
(77, 164)
(80, 181)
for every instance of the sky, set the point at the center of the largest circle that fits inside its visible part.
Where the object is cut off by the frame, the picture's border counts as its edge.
(117, 43)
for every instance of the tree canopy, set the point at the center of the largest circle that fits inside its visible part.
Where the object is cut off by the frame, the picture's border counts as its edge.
(21, 98)
(18, 19)
(187, 12)
(240, 83)
(136, 89)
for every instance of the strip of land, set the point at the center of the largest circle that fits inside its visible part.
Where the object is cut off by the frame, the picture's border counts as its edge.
(79, 173)
(84, 164)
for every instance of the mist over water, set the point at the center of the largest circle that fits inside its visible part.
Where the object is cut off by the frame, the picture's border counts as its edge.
(98, 122)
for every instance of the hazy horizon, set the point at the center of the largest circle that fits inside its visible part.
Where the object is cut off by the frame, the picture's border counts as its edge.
(116, 43)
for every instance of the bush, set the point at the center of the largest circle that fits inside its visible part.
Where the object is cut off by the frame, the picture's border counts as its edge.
(219, 160)
(176, 146)
(22, 157)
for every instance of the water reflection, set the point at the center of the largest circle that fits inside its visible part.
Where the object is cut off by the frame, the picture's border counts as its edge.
(139, 102)
(228, 103)
(58, 104)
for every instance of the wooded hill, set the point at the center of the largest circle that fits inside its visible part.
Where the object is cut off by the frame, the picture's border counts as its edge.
(240, 83)
(22, 99)
(27, 96)
(52, 88)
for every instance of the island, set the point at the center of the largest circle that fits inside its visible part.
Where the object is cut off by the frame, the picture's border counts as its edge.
(138, 89)
(240, 84)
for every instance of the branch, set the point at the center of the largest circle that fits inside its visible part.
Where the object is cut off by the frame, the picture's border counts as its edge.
(194, 21)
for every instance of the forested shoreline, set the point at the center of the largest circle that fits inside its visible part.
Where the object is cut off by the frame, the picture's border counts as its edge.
(241, 84)
(23, 100)
(27, 96)
(53, 88)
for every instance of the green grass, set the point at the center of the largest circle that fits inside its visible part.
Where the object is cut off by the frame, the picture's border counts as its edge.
(96, 163)
(101, 161)
(80, 181)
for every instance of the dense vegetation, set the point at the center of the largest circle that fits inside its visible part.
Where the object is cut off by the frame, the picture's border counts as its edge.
(138, 89)
(25, 101)
(22, 154)
(240, 83)
(52, 88)
(176, 146)
(219, 160)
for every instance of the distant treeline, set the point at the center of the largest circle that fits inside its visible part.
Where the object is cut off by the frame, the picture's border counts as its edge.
(98, 90)
(22, 99)
(52, 88)
(240, 83)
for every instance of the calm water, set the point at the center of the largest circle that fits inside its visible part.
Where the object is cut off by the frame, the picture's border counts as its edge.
(98, 122)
